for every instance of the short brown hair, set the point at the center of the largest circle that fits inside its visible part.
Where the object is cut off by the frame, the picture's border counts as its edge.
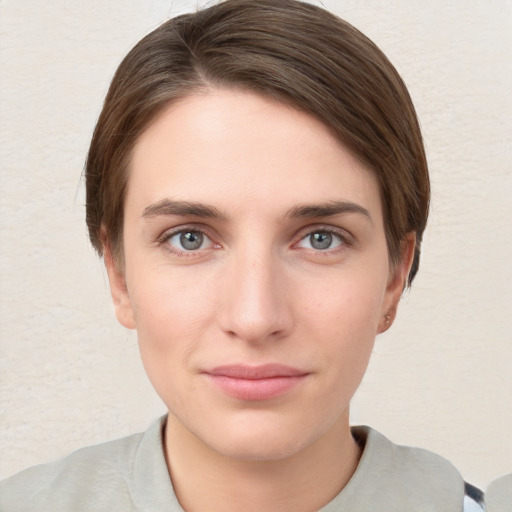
(291, 51)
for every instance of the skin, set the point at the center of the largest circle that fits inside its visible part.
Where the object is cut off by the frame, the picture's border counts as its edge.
(258, 290)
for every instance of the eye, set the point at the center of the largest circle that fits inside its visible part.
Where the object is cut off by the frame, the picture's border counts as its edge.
(189, 240)
(321, 240)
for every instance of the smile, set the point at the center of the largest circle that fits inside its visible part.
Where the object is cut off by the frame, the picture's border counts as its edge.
(255, 382)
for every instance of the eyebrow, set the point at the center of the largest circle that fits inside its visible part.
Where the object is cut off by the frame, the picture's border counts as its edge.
(327, 209)
(302, 211)
(182, 208)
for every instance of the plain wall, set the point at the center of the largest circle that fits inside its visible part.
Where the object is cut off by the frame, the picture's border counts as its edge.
(441, 378)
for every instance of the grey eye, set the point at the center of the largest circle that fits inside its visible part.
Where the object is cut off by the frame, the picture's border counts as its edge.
(188, 240)
(191, 240)
(321, 240)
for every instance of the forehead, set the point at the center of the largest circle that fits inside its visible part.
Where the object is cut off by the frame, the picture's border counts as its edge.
(240, 149)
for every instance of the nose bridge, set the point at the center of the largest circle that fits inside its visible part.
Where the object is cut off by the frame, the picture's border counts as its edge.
(256, 307)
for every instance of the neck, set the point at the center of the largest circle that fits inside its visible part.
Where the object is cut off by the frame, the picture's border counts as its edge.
(204, 479)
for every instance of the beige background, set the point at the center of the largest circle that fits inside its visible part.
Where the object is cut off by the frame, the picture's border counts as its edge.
(70, 376)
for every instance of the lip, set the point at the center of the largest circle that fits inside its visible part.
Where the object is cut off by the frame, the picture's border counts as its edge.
(255, 382)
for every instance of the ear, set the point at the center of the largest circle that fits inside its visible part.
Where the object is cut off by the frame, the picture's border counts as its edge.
(118, 289)
(396, 283)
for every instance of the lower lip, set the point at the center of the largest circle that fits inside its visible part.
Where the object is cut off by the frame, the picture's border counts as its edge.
(256, 389)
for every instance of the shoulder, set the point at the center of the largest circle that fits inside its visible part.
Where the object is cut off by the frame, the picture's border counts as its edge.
(87, 472)
(391, 474)
(99, 477)
(498, 496)
(410, 467)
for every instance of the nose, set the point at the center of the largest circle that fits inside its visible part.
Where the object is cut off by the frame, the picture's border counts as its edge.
(255, 306)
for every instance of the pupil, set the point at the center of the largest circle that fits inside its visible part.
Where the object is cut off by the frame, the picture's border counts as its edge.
(191, 240)
(321, 240)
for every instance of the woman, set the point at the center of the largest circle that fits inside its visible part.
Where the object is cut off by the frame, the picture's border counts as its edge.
(258, 188)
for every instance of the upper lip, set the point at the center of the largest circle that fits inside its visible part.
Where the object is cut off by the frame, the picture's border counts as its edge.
(265, 371)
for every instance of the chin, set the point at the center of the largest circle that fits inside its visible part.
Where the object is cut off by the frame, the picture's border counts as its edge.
(260, 448)
(262, 438)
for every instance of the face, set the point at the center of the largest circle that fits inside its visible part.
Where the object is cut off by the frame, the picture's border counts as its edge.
(256, 272)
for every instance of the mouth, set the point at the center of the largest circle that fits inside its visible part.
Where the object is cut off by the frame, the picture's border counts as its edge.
(255, 382)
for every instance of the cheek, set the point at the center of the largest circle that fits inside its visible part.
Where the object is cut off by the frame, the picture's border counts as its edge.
(344, 323)
(173, 313)
(165, 344)
(170, 299)
(347, 302)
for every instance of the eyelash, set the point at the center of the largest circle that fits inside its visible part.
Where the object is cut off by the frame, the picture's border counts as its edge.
(345, 239)
(167, 235)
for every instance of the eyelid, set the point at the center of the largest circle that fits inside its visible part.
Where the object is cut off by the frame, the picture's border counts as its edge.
(346, 236)
(183, 228)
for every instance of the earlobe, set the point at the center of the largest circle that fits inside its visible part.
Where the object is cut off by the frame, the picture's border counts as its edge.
(397, 282)
(118, 289)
